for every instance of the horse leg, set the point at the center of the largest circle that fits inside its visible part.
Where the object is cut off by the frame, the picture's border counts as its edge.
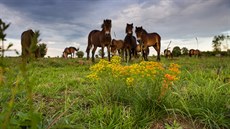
(145, 54)
(130, 54)
(108, 50)
(126, 54)
(88, 51)
(93, 52)
(158, 52)
(102, 52)
(122, 54)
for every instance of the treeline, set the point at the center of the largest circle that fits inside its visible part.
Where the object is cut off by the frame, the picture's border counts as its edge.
(214, 53)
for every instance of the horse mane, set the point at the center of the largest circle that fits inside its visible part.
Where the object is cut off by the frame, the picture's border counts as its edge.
(144, 31)
(102, 25)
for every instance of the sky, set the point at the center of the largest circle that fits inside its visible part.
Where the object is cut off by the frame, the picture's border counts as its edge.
(64, 23)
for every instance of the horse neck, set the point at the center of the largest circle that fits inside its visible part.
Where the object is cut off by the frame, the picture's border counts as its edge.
(144, 35)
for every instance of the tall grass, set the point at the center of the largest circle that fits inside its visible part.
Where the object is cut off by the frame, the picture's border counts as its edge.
(63, 97)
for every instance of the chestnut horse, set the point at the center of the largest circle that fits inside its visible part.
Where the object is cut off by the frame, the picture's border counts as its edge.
(130, 43)
(194, 52)
(149, 39)
(168, 54)
(101, 39)
(117, 45)
(69, 51)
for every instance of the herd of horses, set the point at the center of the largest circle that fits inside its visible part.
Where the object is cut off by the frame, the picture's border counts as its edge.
(130, 46)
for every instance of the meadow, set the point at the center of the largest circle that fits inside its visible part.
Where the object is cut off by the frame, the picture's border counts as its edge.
(57, 93)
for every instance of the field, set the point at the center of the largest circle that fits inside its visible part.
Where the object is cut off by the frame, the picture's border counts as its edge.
(188, 93)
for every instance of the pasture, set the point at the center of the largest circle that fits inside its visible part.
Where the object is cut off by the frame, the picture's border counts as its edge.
(67, 93)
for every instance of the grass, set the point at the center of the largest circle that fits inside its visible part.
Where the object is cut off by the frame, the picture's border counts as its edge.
(63, 97)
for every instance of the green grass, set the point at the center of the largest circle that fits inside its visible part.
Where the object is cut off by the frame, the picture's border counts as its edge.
(62, 96)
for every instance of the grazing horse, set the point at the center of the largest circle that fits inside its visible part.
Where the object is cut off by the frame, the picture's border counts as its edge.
(130, 43)
(139, 48)
(168, 54)
(117, 45)
(149, 39)
(101, 39)
(26, 43)
(194, 52)
(69, 51)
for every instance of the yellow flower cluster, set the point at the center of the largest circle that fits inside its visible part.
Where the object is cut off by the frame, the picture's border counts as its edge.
(135, 72)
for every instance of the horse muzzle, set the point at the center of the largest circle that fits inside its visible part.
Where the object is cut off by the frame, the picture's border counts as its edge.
(107, 33)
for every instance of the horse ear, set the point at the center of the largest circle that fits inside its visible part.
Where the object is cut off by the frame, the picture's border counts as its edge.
(132, 24)
(141, 27)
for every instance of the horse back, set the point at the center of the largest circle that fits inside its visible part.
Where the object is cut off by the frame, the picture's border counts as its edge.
(97, 38)
(26, 38)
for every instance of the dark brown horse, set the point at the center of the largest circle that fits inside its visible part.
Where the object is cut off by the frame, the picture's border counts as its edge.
(69, 51)
(168, 54)
(194, 52)
(117, 45)
(130, 43)
(101, 39)
(27, 40)
(149, 39)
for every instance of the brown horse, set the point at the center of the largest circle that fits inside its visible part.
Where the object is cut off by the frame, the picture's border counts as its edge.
(27, 40)
(101, 39)
(168, 54)
(69, 51)
(194, 52)
(130, 43)
(149, 39)
(117, 45)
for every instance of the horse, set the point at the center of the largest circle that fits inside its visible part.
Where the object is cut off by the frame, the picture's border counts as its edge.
(117, 45)
(130, 43)
(69, 51)
(101, 39)
(194, 52)
(168, 54)
(28, 43)
(149, 39)
(139, 48)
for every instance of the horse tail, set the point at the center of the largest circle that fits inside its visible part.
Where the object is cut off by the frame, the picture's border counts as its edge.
(89, 42)
(76, 49)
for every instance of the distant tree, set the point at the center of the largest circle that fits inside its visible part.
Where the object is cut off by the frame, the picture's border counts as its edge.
(176, 51)
(42, 48)
(184, 51)
(216, 42)
(3, 27)
(80, 54)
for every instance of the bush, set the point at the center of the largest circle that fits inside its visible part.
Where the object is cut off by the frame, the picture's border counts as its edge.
(80, 54)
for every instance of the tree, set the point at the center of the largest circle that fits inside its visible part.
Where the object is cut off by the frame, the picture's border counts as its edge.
(217, 42)
(80, 54)
(3, 27)
(176, 51)
(184, 51)
(42, 49)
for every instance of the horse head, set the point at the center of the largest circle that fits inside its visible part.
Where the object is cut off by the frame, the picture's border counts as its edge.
(139, 32)
(129, 29)
(106, 26)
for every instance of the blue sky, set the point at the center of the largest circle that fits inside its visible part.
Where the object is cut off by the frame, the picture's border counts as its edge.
(64, 23)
